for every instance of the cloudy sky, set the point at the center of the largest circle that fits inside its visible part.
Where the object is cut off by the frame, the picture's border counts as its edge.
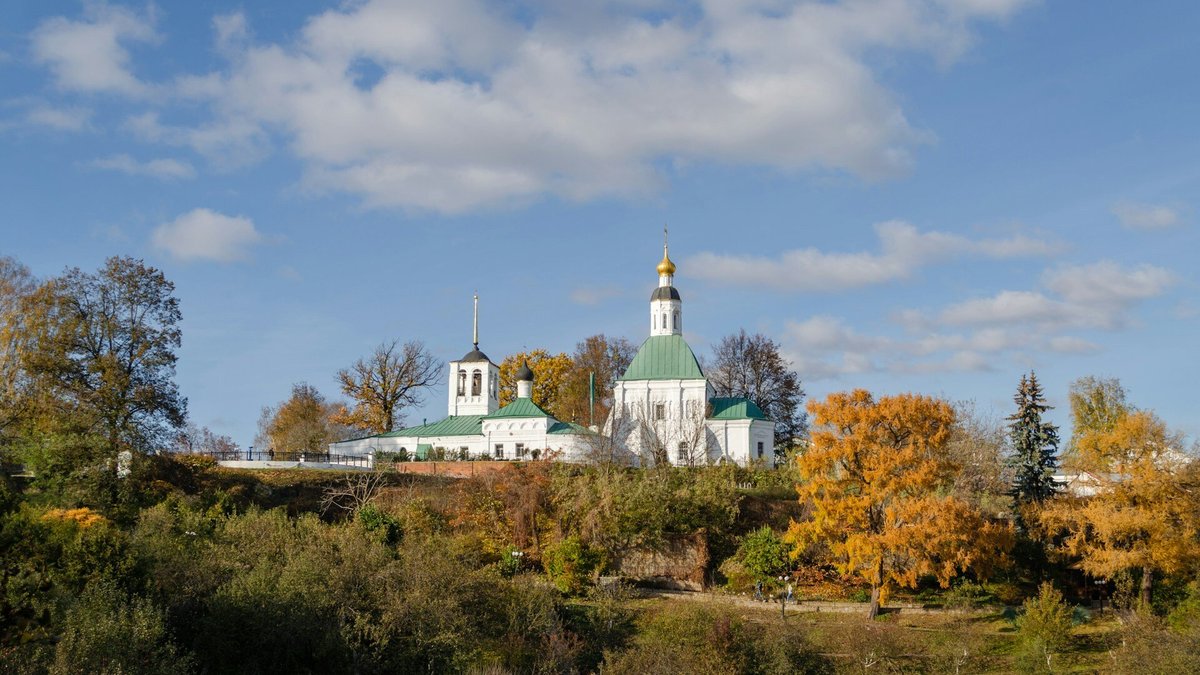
(908, 195)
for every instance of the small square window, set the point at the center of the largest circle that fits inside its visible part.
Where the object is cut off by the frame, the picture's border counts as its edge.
(521, 450)
(660, 411)
(683, 451)
(499, 451)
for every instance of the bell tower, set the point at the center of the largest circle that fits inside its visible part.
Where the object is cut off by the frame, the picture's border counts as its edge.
(666, 307)
(474, 379)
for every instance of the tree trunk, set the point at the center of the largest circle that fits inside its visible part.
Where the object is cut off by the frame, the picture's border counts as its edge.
(1147, 581)
(876, 590)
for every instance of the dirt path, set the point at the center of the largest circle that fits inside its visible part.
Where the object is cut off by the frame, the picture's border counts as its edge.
(801, 606)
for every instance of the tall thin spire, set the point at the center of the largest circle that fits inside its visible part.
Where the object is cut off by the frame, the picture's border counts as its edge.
(664, 240)
(475, 332)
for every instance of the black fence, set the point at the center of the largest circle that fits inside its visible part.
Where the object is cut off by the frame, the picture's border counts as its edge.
(280, 456)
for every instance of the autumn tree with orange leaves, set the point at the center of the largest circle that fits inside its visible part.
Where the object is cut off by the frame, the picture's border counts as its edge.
(1143, 516)
(550, 371)
(878, 475)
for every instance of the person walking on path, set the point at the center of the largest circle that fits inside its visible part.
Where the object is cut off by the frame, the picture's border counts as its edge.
(789, 592)
(758, 588)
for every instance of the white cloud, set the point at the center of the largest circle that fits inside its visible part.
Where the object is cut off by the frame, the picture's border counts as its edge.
(982, 333)
(1070, 344)
(165, 168)
(593, 295)
(903, 250)
(59, 119)
(227, 143)
(1107, 284)
(1145, 216)
(459, 105)
(1006, 307)
(202, 234)
(1099, 295)
(90, 55)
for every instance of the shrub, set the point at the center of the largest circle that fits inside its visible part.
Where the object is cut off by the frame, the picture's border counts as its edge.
(383, 524)
(763, 554)
(108, 632)
(571, 564)
(1186, 615)
(1044, 629)
(1147, 646)
(703, 640)
(967, 595)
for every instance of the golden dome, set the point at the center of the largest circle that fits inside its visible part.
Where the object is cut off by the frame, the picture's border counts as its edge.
(666, 266)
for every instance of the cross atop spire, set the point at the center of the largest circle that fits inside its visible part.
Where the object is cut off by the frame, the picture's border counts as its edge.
(666, 268)
(475, 332)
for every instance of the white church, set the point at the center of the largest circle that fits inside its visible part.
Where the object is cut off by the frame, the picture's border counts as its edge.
(664, 410)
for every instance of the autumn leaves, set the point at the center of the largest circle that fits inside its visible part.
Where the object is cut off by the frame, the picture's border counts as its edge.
(878, 473)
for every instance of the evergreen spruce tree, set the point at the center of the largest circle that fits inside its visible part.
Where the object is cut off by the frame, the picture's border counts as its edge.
(1035, 443)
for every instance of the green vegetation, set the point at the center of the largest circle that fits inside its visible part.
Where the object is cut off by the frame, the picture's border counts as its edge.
(116, 558)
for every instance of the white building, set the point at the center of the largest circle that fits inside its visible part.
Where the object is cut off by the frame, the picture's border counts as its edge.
(663, 409)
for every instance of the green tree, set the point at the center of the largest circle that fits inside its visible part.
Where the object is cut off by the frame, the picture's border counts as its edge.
(752, 366)
(1035, 443)
(17, 285)
(383, 384)
(305, 422)
(1097, 404)
(104, 354)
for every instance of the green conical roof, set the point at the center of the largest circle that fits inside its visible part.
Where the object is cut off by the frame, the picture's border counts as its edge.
(664, 357)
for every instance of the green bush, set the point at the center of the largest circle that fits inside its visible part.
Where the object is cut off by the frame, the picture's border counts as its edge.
(571, 565)
(967, 595)
(689, 639)
(1185, 616)
(1044, 629)
(109, 632)
(384, 525)
(763, 554)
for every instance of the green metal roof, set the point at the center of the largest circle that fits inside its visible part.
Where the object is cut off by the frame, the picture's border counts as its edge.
(522, 407)
(664, 357)
(454, 425)
(735, 409)
(568, 428)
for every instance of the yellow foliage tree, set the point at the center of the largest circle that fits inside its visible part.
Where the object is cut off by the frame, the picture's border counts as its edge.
(305, 422)
(550, 372)
(877, 474)
(1143, 515)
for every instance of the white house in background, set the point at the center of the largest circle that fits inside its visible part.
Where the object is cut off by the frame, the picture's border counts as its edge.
(663, 407)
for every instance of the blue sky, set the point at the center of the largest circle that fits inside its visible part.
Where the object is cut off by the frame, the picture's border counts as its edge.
(908, 195)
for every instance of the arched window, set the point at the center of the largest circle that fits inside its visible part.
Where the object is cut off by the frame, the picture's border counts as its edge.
(492, 387)
(462, 382)
(675, 321)
(476, 383)
(683, 451)
(664, 319)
